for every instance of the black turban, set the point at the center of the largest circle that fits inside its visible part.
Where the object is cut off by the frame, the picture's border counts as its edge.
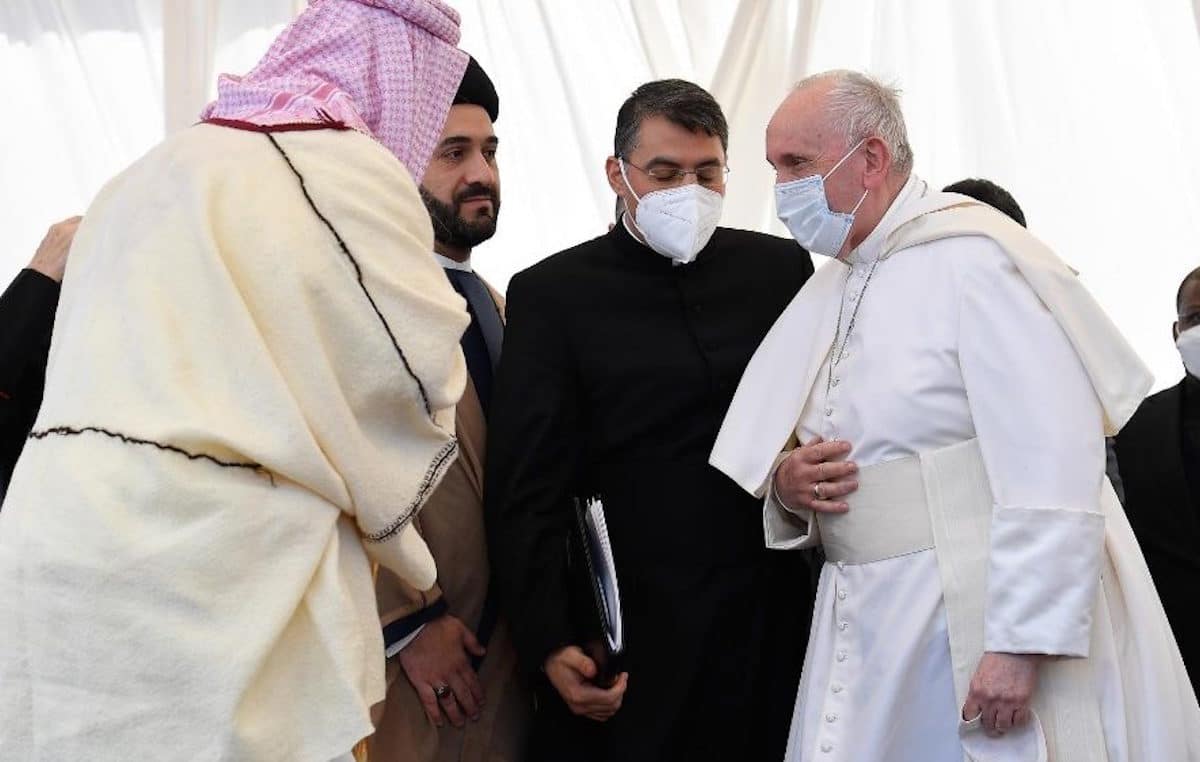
(476, 89)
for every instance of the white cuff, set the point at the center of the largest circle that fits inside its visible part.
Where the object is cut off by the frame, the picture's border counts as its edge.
(403, 642)
(1043, 578)
(786, 528)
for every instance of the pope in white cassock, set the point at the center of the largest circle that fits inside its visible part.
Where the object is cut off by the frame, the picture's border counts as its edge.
(952, 383)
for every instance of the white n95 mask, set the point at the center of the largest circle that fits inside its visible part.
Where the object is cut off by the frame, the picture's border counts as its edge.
(677, 222)
(1188, 344)
(804, 208)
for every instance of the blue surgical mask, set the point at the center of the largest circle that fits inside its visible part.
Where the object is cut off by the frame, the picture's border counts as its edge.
(804, 208)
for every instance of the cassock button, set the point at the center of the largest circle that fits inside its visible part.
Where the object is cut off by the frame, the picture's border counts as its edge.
(844, 626)
(826, 748)
(837, 381)
(831, 718)
(841, 595)
(837, 689)
(841, 565)
(828, 412)
(841, 656)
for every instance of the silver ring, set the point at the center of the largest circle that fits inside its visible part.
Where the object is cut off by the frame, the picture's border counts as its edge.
(817, 491)
(441, 691)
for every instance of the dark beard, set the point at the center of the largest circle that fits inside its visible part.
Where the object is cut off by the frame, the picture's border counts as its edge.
(449, 227)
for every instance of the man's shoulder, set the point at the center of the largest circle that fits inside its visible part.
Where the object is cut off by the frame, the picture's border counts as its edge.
(1148, 422)
(759, 244)
(765, 255)
(561, 267)
(1154, 407)
(968, 258)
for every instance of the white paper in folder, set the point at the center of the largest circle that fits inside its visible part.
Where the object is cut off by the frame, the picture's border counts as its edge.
(606, 572)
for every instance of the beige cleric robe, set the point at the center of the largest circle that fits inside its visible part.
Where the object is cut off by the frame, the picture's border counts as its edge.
(452, 525)
(249, 395)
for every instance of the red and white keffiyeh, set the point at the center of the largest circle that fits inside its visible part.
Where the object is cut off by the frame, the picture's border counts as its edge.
(386, 68)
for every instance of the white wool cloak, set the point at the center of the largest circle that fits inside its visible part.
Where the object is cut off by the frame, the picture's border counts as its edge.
(250, 394)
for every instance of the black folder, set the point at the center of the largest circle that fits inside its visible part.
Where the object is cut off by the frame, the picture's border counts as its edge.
(595, 595)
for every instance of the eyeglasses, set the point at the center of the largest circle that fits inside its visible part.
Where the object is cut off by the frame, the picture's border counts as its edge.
(711, 174)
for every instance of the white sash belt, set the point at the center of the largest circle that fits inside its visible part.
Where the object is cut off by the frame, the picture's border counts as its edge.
(942, 500)
(888, 516)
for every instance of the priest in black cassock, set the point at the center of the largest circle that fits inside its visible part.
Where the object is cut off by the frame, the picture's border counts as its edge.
(1158, 454)
(620, 357)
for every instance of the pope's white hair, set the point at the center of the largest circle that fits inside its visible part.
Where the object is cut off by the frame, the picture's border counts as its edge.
(860, 106)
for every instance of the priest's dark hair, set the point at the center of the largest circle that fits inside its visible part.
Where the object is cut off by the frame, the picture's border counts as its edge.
(991, 194)
(680, 102)
(1194, 275)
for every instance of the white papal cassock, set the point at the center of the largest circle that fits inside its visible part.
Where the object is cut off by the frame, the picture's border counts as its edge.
(968, 345)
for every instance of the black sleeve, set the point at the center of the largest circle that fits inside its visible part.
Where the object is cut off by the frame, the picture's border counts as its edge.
(26, 321)
(533, 451)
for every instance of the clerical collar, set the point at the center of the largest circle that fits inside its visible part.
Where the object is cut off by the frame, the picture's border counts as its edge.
(629, 230)
(450, 264)
(872, 247)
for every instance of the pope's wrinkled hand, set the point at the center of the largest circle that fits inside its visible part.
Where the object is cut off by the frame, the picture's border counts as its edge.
(815, 476)
(1001, 691)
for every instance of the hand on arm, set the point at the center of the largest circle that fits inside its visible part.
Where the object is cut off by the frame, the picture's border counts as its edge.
(51, 256)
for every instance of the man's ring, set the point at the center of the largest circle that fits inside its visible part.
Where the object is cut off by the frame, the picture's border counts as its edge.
(817, 491)
(441, 691)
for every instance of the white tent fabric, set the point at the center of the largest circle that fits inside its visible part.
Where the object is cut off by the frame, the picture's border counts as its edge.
(1082, 109)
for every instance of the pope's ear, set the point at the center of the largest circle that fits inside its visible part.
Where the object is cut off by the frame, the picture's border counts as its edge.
(879, 162)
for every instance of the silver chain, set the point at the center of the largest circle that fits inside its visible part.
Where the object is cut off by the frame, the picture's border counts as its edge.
(839, 353)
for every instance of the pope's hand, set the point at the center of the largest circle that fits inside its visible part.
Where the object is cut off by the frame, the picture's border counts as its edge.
(1001, 691)
(814, 476)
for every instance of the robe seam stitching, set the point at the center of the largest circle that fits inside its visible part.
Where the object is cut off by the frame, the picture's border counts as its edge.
(68, 431)
(358, 276)
(437, 467)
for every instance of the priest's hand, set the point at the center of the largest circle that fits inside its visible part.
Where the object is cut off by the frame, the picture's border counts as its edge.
(814, 476)
(51, 257)
(1002, 690)
(438, 665)
(571, 671)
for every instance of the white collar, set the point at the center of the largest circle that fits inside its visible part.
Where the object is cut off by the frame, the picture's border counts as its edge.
(872, 246)
(449, 264)
(633, 235)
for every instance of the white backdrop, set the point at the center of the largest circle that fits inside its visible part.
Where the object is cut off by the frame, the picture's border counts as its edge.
(1082, 108)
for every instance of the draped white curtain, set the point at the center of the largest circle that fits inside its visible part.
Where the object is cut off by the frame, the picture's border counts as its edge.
(1083, 109)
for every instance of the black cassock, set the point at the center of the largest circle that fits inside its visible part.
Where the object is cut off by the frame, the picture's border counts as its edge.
(26, 321)
(1158, 455)
(617, 369)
